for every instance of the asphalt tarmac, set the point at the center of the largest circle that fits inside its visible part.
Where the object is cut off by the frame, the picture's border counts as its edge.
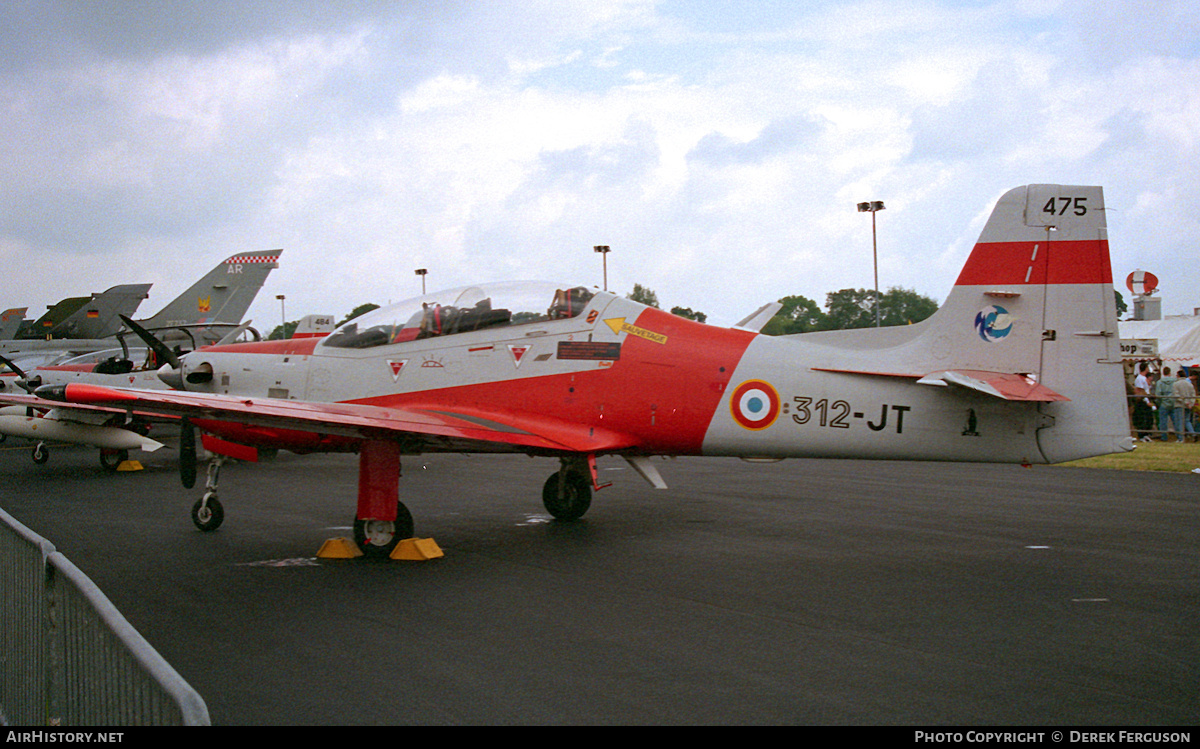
(801, 592)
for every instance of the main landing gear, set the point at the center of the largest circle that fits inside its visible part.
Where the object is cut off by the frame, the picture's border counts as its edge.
(381, 521)
(110, 458)
(567, 494)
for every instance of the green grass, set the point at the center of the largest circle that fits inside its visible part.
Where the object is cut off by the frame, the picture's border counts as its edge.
(1148, 456)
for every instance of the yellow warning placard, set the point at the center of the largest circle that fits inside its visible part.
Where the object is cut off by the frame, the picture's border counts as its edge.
(619, 325)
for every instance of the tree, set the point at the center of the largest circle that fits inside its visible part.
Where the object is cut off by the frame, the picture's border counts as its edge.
(689, 314)
(849, 308)
(283, 331)
(361, 309)
(1122, 307)
(855, 308)
(643, 295)
(799, 314)
(905, 307)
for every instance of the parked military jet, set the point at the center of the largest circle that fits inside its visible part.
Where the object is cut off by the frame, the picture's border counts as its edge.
(114, 433)
(201, 315)
(1021, 364)
(10, 322)
(95, 316)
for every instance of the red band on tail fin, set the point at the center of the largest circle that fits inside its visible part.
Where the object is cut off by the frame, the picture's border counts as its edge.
(1016, 263)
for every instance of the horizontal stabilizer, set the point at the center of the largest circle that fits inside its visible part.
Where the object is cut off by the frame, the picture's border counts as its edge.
(760, 317)
(1009, 387)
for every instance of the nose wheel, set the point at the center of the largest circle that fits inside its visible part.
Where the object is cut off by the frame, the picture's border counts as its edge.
(207, 513)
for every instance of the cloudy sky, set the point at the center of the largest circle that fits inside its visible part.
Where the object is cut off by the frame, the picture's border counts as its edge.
(719, 148)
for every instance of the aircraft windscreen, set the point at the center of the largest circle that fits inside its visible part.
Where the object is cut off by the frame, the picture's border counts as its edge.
(95, 357)
(461, 310)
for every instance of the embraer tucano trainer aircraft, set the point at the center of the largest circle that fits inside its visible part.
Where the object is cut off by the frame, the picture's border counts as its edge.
(1021, 364)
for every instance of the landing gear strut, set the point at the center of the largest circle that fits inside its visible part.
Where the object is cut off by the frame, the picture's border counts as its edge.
(382, 521)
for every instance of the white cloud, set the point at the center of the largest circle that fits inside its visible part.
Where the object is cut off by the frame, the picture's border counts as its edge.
(498, 141)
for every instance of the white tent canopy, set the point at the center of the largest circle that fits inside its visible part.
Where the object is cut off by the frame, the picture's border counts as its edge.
(1178, 336)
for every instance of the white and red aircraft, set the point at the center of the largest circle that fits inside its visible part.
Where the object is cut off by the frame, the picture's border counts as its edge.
(1021, 364)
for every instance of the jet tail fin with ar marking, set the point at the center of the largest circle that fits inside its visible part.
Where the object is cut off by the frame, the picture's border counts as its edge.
(222, 296)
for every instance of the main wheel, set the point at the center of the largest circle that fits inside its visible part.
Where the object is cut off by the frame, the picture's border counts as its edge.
(207, 513)
(40, 453)
(111, 459)
(575, 500)
(377, 538)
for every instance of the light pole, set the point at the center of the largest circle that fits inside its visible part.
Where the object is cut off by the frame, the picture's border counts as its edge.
(603, 249)
(872, 207)
(422, 272)
(282, 314)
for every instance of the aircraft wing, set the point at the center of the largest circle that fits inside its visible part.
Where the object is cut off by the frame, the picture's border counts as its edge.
(355, 420)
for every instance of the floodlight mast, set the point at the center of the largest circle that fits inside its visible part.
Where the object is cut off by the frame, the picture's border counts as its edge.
(603, 249)
(872, 207)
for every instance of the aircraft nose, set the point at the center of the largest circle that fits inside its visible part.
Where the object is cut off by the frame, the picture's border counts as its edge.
(52, 392)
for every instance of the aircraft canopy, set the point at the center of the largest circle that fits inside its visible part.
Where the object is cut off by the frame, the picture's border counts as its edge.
(461, 310)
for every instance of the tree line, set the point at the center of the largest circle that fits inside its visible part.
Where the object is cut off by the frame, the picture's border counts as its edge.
(844, 309)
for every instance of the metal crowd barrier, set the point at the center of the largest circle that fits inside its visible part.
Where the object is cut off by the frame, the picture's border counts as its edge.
(67, 656)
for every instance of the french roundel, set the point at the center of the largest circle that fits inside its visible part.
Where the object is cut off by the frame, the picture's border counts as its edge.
(755, 404)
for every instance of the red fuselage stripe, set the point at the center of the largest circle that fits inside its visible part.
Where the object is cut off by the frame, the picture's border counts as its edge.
(290, 347)
(662, 395)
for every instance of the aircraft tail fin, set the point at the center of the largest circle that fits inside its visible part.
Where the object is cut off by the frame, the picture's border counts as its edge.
(97, 316)
(10, 322)
(222, 296)
(1036, 299)
(1031, 320)
(314, 326)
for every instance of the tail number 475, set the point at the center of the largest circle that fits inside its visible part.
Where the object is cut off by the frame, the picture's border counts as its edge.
(1060, 206)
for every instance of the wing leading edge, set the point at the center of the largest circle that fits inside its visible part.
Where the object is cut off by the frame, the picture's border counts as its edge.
(518, 431)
